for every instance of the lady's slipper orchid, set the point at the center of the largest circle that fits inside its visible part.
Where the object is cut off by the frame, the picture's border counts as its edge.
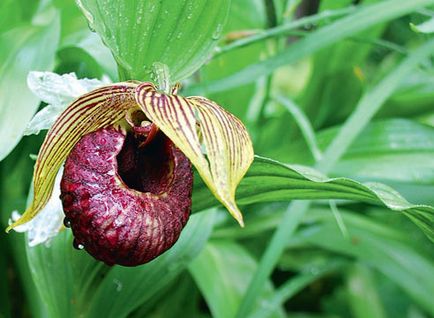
(126, 186)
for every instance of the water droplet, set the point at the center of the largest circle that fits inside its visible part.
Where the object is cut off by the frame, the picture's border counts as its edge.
(77, 245)
(67, 222)
(218, 31)
(118, 284)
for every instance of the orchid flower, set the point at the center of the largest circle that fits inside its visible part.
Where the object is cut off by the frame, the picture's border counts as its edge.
(128, 149)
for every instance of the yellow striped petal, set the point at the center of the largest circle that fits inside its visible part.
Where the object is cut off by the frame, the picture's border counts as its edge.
(99, 108)
(196, 121)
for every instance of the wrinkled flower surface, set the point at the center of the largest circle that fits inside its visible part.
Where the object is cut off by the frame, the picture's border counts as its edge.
(129, 150)
(125, 202)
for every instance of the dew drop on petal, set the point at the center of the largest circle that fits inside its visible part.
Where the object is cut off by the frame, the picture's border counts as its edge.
(77, 245)
(67, 222)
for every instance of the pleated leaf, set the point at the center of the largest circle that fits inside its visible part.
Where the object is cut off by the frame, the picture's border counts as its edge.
(198, 125)
(270, 181)
(97, 109)
(181, 34)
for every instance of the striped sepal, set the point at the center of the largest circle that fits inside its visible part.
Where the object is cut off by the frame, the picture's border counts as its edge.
(99, 108)
(195, 122)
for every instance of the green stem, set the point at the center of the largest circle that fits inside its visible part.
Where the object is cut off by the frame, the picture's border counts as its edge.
(285, 29)
(272, 21)
(303, 124)
(369, 104)
(270, 10)
(293, 286)
(360, 20)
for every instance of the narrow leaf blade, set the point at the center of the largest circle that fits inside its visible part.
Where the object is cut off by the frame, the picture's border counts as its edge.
(270, 181)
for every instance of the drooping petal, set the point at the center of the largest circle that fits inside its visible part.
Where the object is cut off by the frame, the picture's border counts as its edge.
(97, 109)
(228, 147)
(49, 220)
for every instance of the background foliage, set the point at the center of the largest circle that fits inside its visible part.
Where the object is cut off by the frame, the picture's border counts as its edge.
(345, 87)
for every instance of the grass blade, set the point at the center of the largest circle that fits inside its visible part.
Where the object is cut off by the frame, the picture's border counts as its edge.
(352, 127)
(343, 28)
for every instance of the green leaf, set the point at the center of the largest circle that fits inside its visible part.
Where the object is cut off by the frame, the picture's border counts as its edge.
(5, 305)
(365, 110)
(338, 78)
(395, 149)
(360, 20)
(426, 27)
(73, 284)
(15, 12)
(363, 294)
(413, 97)
(245, 16)
(222, 272)
(398, 261)
(22, 50)
(269, 181)
(180, 34)
(16, 170)
(293, 286)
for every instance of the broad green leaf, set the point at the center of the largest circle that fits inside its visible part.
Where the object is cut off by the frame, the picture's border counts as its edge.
(268, 181)
(99, 108)
(343, 28)
(412, 98)
(215, 141)
(180, 34)
(73, 284)
(395, 149)
(222, 272)
(22, 50)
